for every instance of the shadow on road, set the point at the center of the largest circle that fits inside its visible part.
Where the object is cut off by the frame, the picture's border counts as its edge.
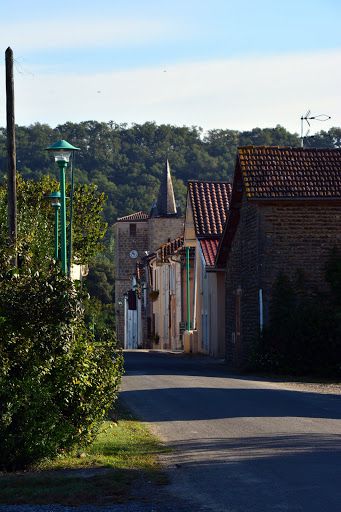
(201, 403)
(231, 450)
(247, 474)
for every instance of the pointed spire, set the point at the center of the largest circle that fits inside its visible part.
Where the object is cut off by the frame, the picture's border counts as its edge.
(166, 201)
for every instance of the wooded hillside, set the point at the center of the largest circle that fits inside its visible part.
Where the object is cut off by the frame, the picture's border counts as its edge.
(126, 161)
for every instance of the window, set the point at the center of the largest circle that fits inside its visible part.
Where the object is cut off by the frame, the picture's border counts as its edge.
(132, 229)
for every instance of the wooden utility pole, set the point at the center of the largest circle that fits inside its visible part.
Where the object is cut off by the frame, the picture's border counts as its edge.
(11, 154)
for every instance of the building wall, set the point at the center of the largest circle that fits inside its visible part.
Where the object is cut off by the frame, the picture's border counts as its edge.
(167, 307)
(200, 301)
(210, 315)
(273, 238)
(189, 231)
(184, 289)
(162, 229)
(125, 266)
(217, 308)
(242, 285)
(297, 237)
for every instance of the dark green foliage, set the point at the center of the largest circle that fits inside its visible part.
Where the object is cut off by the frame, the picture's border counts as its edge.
(100, 317)
(56, 382)
(88, 225)
(36, 221)
(303, 336)
(126, 162)
(57, 378)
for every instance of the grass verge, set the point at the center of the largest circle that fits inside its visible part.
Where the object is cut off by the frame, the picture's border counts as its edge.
(113, 470)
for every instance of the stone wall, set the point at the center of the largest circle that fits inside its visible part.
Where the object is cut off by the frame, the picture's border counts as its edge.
(273, 238)
(242, 284)
(297, 236)
(125, 266)
(162, 229)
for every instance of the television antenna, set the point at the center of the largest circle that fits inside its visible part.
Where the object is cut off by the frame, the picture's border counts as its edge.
(308, 117)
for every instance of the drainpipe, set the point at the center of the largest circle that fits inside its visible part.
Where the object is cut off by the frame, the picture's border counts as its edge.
(261, 320)
(188, 291)
(195, 277)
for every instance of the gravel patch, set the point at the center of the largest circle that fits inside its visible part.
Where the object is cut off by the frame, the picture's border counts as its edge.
(311, 387)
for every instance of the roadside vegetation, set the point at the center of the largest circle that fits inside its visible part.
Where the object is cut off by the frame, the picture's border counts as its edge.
(58, 377)
(122, 459)
(303, 336)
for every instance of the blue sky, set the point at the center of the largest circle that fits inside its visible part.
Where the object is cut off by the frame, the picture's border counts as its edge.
(215, 64)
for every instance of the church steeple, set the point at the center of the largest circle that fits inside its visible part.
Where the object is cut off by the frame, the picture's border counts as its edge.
(165, 204)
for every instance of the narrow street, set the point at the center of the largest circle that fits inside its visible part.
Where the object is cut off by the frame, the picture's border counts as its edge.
(239, 444)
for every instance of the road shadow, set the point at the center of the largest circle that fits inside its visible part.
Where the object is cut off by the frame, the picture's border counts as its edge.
(178, 363)
(204, 403)
(292, 473)
(232, 450)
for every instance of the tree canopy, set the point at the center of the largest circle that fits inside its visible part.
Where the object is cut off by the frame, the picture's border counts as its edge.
(126, 162)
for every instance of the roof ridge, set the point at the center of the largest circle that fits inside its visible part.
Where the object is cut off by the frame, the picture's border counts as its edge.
(142, 213)
(292, 148)
(223, 182)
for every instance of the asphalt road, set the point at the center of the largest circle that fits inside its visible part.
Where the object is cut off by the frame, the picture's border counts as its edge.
(239, 444)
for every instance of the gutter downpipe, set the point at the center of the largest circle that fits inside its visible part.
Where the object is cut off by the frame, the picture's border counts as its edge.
(188, 298)
(261, 319)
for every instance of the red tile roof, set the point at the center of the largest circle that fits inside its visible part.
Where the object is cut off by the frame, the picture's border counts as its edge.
(134, 217)
(170, 248)
(290, 173)
(277, 174)
(210, 204)
(209, 249)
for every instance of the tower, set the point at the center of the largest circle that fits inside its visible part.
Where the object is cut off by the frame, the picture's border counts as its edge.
(138, 234)
(165, 222)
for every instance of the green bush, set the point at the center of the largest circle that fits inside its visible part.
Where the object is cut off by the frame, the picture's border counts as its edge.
(57, 382)
(304, 331)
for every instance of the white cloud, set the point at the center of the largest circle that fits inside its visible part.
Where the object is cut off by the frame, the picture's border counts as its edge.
(77, 33)
(235, 94)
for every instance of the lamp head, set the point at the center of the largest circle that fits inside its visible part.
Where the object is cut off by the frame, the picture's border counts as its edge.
(61, 150)
(55, 199)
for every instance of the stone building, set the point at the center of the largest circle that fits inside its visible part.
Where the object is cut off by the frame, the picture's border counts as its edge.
(285, 215)
(136, 236)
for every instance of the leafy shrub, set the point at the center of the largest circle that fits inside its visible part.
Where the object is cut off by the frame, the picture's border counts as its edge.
(56, 382)
(304, 332)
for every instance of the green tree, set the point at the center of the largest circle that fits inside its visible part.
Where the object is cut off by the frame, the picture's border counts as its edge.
(50, 358)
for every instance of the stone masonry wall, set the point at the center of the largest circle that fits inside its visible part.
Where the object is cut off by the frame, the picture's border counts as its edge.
(161, 229)
(126, 266)
(242, 283)
(297, 237)
(274, 238)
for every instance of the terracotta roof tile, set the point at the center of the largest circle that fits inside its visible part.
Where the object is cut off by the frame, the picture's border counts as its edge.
(290, 173)
(170, 248)
(134, 217)
(210, 204)
(209, 249)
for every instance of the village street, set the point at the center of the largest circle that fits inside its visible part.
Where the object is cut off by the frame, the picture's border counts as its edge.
(240, 444)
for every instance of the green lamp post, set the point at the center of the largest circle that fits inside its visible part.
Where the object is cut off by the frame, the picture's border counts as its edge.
(62, 150)
(55, 202)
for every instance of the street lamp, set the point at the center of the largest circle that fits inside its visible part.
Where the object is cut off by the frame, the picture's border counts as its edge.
(62, 150)
(55, 202)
